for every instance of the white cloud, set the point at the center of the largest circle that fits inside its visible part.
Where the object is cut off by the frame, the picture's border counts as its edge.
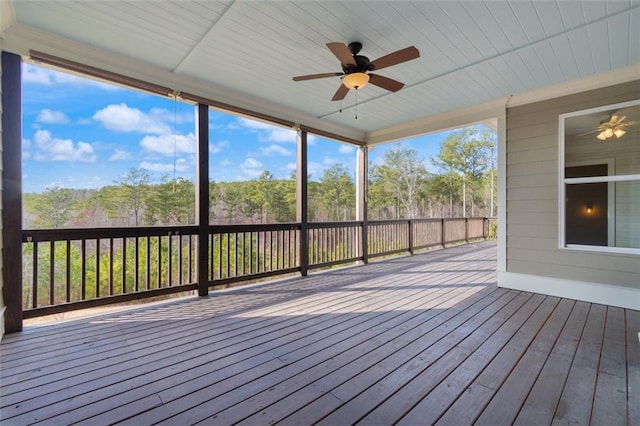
(55, 149)
(181, 166)
(26, 145)
(251, 163)
(169, 144)
(119, 154)
(49, 116)
(291, 167)
(226, 163)
(122, 118)
(274, 149)
(329, 161)
(251, 167)
(166, 115)
(47, 77)
(37, 75)
(267, 132)
(215, 148)
(346, 149)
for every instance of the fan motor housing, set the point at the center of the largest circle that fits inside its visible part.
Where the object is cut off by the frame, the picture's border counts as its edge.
(362, 64)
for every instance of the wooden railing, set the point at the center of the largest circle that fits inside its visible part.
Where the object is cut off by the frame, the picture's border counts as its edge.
(68, 269)
(249, 252)
(334, 243)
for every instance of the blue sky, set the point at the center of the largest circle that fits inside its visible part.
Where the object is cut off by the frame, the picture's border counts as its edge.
(81, 133)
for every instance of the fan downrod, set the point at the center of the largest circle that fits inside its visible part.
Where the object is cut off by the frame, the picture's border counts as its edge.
(355, 47)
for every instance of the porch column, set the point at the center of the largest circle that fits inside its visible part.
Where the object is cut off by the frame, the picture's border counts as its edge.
(202, 197)
(302, 201)
(362, 175)
(11, 205)
(502, 192)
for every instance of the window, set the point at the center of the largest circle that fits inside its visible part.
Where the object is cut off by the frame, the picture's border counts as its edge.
(600, 179)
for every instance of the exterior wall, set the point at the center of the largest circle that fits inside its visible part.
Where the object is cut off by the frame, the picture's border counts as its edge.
(534, 260)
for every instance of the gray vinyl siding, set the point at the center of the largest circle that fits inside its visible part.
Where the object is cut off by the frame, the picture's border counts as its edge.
(532, 194)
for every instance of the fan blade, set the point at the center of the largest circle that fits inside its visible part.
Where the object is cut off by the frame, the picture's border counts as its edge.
(385, 82)
(588, 133)
(343, 53)
(340, 93)
(617, 119)
(395, 58)
(314, 76)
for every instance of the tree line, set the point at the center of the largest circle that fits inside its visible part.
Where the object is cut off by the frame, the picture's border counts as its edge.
(400, 186)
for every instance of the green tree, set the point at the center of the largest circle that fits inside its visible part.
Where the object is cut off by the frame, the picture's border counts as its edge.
(401, 177)
(134, 186)
(466, 153)
(338, 192)
(172, 202)
(53, 208)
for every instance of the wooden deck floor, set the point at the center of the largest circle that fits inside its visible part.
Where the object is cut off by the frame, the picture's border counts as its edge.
(413, 341)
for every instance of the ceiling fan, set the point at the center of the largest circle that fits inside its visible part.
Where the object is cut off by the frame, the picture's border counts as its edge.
(356, 69)
(613, 127)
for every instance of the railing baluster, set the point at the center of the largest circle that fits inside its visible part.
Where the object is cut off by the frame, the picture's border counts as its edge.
(180, 271)
(111, 266)
(148, 283)
(68, 274)
(159, 264)
(52, 263)
(190, 259)
(124, 265)
(136, 260)
(34, 295)
(170, 260)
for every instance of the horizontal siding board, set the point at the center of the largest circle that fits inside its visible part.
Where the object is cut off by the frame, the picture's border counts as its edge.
(533, 181)
(539, 154)
(519, 206)
(535, 195)
(527, 230)
(532, 243)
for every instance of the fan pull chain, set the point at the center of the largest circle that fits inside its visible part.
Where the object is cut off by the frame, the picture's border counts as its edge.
(356, 103)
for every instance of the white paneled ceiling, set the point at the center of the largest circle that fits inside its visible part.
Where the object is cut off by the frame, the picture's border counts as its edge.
(246, 52)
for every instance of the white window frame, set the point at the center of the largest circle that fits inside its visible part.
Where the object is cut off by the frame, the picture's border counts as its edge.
(610, 179)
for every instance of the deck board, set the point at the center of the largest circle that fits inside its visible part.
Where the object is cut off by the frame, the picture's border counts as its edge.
(412, 340)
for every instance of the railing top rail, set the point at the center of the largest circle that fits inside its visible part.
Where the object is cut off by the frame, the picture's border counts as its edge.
(388, 221)
(32, 235)
(345, 224)
(426, 220)
(254, 227)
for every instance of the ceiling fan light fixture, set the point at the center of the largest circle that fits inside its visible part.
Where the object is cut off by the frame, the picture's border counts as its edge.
(608, 133)
(601, 136)
(356, 80)
(619, 133)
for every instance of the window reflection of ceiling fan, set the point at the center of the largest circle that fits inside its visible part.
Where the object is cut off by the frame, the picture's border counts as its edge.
(615, 126)
(356, 68)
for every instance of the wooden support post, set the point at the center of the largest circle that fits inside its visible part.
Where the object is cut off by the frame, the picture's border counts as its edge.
(362, 176)
(411, 224)
(12, 191)
(444, 233)
(202, 197)
(302, 201)
(466, 229)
